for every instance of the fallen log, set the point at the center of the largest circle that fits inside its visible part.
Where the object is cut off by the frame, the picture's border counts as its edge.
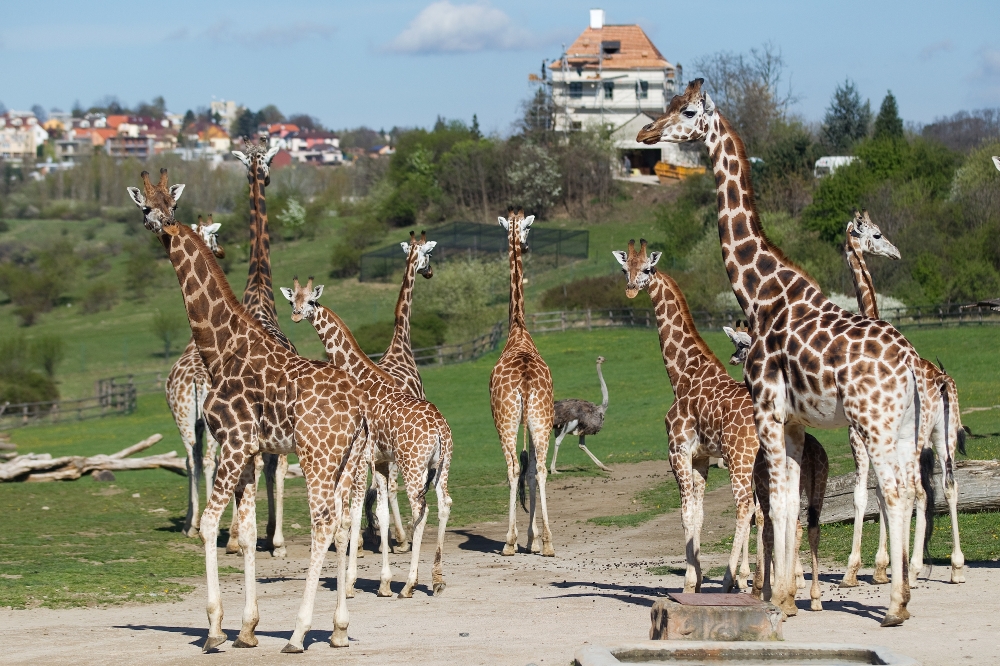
(978, 490)
(294, 472)
(43, 467)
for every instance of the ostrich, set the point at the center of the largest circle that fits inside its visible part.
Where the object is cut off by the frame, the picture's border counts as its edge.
(580, 418)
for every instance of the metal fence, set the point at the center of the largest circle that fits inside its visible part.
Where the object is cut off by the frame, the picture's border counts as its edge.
(113, 396)
(470, 239)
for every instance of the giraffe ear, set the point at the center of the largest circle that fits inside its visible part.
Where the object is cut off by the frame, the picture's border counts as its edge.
(270, 154)
(731, 333)
(176, 191)
(996, 162)
(317, 292)
(242, 158)
(709, 104)
(428, 246)
(136, 196)
(621, 256)
(526, 222)
(289, 294)
(503, 222)
(213, 228)
(406, 248)
(653, 258)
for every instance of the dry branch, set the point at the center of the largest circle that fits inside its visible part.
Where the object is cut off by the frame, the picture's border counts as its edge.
(294, 472)
(43, 467)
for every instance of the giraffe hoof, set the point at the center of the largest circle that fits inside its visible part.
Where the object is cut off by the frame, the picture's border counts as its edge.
(816, 605)
(383, 589)
(233, 550)
(439, 588)
(508, 550)
(892, 621)
(279, 552)
(405, 593)
(879, 578)
(957, 575)
(245, 641)
(213, 642)
(292, 649)
(548, 551)
(849, 582)
(349, 592)
(192, 532)
(339, 637)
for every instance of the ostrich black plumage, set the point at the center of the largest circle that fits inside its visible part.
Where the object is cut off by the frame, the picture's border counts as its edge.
(580, 418)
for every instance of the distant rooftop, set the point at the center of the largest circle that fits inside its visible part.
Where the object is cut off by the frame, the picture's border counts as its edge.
(623, 46)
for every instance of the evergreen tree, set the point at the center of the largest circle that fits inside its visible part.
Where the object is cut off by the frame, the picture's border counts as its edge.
(476, 134)
(888, 124)
(847, 119)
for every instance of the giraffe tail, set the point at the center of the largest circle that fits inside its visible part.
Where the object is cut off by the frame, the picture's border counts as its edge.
(522, 482)
(371, 520)
(927, 482)
(433, 468)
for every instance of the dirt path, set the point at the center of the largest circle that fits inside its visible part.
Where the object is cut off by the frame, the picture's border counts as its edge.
(506, 610)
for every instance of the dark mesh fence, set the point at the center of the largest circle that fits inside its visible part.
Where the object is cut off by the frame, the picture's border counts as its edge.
(470, 239)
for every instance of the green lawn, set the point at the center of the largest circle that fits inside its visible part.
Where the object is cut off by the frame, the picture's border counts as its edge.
(97, 545)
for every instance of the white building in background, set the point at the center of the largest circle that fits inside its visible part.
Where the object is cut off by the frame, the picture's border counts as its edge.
(227, 110)
(20, 135)
(614, 75)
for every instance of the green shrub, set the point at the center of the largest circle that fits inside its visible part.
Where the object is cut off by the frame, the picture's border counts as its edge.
(606, 292)
(19, 382)
(99, 296)
(426, 330)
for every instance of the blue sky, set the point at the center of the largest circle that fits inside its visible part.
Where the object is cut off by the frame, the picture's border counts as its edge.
(404, 63)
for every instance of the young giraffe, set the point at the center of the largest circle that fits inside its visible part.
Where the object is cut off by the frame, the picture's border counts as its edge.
(258, 299)
(940, 405)
(186, 387)
(521, 392)
(811, 363)
(398, 359)
(404, 429)
(263, 398)
(815, 470)
(712, 414)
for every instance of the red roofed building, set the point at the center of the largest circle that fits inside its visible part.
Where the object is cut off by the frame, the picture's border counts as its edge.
(282, 129)
(613, 75)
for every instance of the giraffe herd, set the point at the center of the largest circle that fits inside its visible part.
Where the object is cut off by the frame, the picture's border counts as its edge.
(241, 391)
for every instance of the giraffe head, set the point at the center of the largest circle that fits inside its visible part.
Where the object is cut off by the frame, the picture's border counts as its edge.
(210, 234)
(740, 335)
(517, 223)
(686, 119)
(257, 158)
(157, 203)
(303, 299)
(638, 267)
(868, 237)
(423, 249)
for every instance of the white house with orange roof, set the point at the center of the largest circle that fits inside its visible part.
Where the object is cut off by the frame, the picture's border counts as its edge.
(613, 75)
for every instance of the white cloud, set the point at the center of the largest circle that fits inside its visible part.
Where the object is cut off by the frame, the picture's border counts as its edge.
(446, 28)
(932, 50)
(225, 31)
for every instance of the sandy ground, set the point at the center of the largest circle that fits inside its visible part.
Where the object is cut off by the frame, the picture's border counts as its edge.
(507, 610)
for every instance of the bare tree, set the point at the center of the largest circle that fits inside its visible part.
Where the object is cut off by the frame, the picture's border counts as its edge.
(750, 89)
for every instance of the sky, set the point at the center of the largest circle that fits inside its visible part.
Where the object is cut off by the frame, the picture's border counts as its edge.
(386, 64)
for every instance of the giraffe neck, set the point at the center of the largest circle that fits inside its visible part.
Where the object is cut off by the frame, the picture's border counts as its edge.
(343, 350)
(750, 258)
(515, 321)
(685, 354)
(220, 326)
(258, 297)
(863, 286)
(401, 334)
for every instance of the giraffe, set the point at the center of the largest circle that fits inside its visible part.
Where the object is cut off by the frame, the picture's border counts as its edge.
(258, 299)
(406, 430)
(186, 387)
(521, 392)
(398, 359)
(945, 426)
(263, 397)
(712, 414)
(815, 471)
(811, 363)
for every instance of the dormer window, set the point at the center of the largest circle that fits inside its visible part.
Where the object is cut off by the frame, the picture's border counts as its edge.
(642, 89)
(611, 47)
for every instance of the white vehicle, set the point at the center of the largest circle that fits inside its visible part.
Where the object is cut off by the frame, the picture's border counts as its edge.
(825, 166)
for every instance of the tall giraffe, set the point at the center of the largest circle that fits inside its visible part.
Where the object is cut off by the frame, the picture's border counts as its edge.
(712, 414)
(186, 387)
(263, 398)
(258, 299)
(521, 392)
(811, 363)
(941, 407)
(398, 359)
(405, 430)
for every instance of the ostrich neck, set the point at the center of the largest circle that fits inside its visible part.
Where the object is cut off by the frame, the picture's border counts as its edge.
(220, 325)
(345, 353)
(864, 289)
(685, 354)
(404, 305)
(516, 318)
(604, 389)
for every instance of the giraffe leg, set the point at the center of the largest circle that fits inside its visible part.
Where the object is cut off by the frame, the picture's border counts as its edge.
(418, 504)
(957, 557)
(193, 518)
(444, 510)
(860, 506)
(508, 441)
(741, 539)
(895, 504)
(800, 572)
(559, 438)
(592, 456)
(531, 480)
(699, 480)
(208, 463)
(382, 513)
(815, 591)
(919, 534)
(880, 576)
(743, 580)
(278, 534)
(539, 436)
(357, 507)
(402, 538)
(270, 467)
(248, 542)
(758, 574)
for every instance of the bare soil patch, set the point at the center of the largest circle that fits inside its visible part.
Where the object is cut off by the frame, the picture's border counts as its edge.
(506, 610)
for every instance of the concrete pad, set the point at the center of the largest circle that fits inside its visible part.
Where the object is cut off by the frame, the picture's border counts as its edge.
(704, 652)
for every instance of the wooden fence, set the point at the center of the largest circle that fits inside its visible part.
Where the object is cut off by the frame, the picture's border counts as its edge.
(112, 396)
(459, 352)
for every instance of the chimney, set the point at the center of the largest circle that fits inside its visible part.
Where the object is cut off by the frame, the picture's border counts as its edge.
(596, 19)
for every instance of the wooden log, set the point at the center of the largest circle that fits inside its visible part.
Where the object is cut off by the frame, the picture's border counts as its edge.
(294, 472)
(978, 490)
(135, 448)
(77, 468)
(30, 462)
(35, 463)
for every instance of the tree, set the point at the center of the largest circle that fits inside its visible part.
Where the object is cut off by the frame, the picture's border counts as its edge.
(305, 121)
(39, 112)
(474, 130)
(168, 326)
(270, 114)
(292, 217)
(48, 352)
(888, 124)
(245, 124)
(537, 117)
(847, 119)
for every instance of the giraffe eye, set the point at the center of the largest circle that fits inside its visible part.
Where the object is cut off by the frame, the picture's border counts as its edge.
(689, 113)
(876, 236)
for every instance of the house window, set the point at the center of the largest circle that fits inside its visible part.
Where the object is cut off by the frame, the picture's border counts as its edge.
(609, 90)
(576, 125)
(642, 89)
(576, 90)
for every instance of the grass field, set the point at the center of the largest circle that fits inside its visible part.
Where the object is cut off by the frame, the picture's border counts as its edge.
(96, 543)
